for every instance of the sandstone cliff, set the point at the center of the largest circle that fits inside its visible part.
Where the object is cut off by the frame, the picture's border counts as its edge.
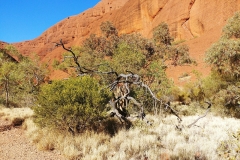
(199, 22)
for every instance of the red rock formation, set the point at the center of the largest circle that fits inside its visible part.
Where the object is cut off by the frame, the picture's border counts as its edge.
(199, 22)
(2, 44)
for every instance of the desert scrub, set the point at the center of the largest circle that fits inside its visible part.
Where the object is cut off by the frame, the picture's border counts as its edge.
(15, 115)
(230, 149)
(159, 141)
(71, 105)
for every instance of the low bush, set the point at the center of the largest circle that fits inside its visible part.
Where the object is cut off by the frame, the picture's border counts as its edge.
(71, 105)
(227, 101)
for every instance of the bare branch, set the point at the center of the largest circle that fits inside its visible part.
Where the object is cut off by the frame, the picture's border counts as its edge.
(208, 109)
(75, 58)
(173, 111)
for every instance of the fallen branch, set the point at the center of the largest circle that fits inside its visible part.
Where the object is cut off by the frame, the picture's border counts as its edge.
(208, 109)
(173, 111)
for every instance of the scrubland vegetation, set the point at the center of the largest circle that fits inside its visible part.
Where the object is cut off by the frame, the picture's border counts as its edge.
(212, 137)
(75, 116)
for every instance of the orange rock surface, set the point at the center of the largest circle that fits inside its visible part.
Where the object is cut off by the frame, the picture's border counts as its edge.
(198, 22)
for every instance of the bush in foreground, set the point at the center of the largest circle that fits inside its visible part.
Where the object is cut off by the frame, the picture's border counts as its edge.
(71, 105)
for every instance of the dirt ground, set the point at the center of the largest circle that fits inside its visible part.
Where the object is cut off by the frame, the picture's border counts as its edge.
(14, 145)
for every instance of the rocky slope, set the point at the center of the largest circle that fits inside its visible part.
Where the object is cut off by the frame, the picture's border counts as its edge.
(199, 22)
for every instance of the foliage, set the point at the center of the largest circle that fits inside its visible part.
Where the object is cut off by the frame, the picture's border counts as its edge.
(213, 84)
(155, 74)
(8, 79)
(232, 28)
(145, 57)
(223, 94)
(33, 72)
(67, 64)
(107, 47)
(21, 79)
(227, 101)
(136, 41)
(71, 105)
(97, 46)
(194, 91)
(126, 58)
(13, 52)
(161, 34)
(180, 55)
(108, 29)
(8, 73)
(103, 45)
(224, 57)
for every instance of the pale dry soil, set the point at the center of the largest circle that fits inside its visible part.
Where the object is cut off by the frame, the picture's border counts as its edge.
(14, 145)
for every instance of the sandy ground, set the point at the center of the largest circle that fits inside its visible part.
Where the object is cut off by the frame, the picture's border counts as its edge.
(14, 145)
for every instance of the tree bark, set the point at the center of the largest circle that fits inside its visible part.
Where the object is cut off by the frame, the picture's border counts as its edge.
(6, 86)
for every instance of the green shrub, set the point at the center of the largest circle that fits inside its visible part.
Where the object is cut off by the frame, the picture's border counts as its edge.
(232, 29)
(126, 58)
(224, 58)
(224, 55)
(213, 84)
(227, 101)
(192, 91)
(71, 105)
(161, 34)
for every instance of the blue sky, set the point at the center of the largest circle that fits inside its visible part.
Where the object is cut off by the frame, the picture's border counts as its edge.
(22, 20)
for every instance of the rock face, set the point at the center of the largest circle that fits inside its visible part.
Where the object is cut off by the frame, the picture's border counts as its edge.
(73, 30)
(199, 22)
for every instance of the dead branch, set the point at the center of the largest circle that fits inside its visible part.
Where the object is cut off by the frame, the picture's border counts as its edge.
(115, 111)
(208, 109)
(81, 69)
(75, 58)
(173, 111)
(127, 80)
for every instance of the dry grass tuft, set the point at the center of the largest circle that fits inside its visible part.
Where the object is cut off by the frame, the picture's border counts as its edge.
(160, 141)
(15, 115)
(71, 146)
(44, 138)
